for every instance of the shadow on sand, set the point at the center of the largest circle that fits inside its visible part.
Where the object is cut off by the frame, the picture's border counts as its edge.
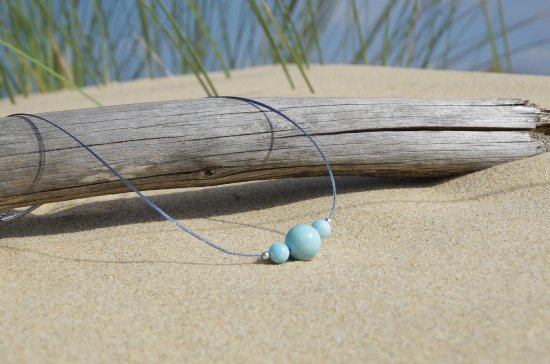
(204, 203)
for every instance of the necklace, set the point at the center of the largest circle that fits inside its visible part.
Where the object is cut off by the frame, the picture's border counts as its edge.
(302, 242)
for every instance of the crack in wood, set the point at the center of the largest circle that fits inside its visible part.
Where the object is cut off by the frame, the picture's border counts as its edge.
(386, 137)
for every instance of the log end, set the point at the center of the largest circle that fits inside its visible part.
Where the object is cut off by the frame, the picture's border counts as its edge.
(543, 124)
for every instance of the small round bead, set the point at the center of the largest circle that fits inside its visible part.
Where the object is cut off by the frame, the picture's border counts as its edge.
(303, 241)
(322, 227)
(265, 255)
(279, 253)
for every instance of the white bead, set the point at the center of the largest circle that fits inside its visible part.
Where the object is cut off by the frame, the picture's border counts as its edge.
(265, 255)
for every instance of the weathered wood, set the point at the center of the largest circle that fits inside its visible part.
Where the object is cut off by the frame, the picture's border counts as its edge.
(205, 142)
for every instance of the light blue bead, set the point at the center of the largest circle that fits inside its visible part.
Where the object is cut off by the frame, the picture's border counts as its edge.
(322, 227)
(303, 241)
(278, 253)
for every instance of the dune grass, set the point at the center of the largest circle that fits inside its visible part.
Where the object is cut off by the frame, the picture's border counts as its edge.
(49, 45)
(48, 70)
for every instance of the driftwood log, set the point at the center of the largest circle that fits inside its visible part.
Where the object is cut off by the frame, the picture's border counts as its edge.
(204, 142)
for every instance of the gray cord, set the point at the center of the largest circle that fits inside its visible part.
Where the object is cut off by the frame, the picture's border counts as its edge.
(158, 209)
(323, 157)
(16, 214)
(41, 161)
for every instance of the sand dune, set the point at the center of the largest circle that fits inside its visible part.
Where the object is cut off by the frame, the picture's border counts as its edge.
(419, 271)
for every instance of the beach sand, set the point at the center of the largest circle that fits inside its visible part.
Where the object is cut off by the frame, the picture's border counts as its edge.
(453, 270)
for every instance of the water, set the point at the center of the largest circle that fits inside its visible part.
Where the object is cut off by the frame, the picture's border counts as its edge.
(244, 43)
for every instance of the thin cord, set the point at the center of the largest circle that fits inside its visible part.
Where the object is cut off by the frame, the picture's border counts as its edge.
(325, 159)
(41, 162)
(16, 214)
(158, 209)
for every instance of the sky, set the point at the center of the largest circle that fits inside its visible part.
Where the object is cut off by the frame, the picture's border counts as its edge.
(535, 60)
(469, 30)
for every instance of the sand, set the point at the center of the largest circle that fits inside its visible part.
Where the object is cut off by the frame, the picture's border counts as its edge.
(416, 271)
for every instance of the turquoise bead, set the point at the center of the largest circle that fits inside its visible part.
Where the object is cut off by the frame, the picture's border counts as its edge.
(322, 227)
(303, 241)
(278, 253)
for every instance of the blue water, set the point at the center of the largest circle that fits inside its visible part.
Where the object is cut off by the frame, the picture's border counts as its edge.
(529, 44)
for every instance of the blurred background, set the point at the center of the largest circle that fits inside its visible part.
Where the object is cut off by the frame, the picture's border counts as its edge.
(47, 44)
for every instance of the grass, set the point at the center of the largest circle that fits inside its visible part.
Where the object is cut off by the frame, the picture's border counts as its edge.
(50, 45)
(48, 70)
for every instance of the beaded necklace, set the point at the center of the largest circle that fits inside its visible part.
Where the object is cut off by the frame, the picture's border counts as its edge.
(302, 242)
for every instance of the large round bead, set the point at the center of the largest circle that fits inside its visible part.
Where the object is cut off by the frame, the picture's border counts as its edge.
(323, 227)
(303, 241)
(278, 253)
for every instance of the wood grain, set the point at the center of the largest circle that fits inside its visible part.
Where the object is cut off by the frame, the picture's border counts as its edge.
(212, 141)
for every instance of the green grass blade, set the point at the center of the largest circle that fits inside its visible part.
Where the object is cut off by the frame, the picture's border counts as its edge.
(438, 35)
(315, 30)
(113, 40)
(504, 36)
(519, 49)
(229, 51)
(387, 45)
(59, 63)
(399, 34)
(6, 84)
(288, 25)
(186, 60)
(372, 33)
(156, 58)
(494, 50)
(103, 42)
(357, 24)
(274, 47)
(461, 53)
(95, 74)
(189, 46)
(13, 76)
(47, 69)
(286, 44)
(145, 36)
(408, 33)
(204, 28)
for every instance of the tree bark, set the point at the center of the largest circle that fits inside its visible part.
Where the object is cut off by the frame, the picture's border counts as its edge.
(206, 142)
